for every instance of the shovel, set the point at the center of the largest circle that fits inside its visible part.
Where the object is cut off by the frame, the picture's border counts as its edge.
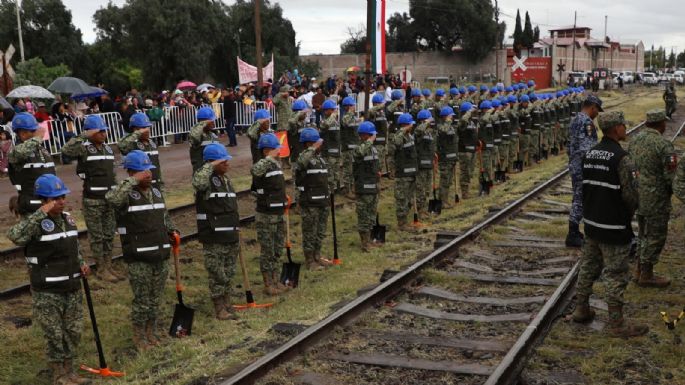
(485, 182)
(456, 185)
(378, 230)
(336, 260)
(416, 222)
(290, 274)
(435, 204)
(104, 370)
(182, 323)
(250, 303)
(555, 149)
(518, 164)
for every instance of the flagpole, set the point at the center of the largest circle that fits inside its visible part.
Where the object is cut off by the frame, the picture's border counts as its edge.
(258, 46)
(370, 31)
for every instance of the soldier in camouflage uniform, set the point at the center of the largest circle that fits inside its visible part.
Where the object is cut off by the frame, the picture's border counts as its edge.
(380, 121)
(656, 160)
(447, 151)
(428, 102)
(679, 181)
(610, 198)
(50, 238)
(329, 130)
(201, 135)
(583, 135)
(296, 124)
(349, 140)
(526, 123)
(367, 183)
(486, 136)
(145, 228)
(96, 168)
(270, 221)
(218, 226)
(439, 102)
(283, 102)
(394, 110)
(467, 132)
(670, 99)
(514, 131)
(260, 126)
(425, 151)
(311, 178)
(405, 169)
(417, 104)
(138, 138)
(537, 127)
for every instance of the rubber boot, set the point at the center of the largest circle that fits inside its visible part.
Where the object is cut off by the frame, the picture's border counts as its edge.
(72, 375)
(583, 312)
(648, 279)
(574, 238)
(364, 241)
(150, 335)
(220, 312)
(321, 260)
(311, 263)
(269, 288)
(371, 243)
(637, 272)
(618, 327)
(277, 282)
(139, 340)
(104, 270)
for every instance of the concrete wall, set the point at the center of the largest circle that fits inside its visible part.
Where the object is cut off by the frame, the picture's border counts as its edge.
(622, 61)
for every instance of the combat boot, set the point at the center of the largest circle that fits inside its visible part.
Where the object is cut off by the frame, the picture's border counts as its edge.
(103, 271)
(583, 312)
(139, 340)
(349, 193)
(402, 225)
(446, 203)
(113, 271)
(269, 288)
(424, 216)
(574, 238)
(229, 307)
(648, 279)
(73, 376)
(325, 262)
(58, 373)
(277, 283)
(618, 327)
(464, 192)
(310, 262)
(220, 312)
(364, 239)
(150, 334)
(637, 272)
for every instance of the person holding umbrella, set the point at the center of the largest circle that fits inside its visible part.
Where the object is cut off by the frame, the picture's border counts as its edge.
(138, 138)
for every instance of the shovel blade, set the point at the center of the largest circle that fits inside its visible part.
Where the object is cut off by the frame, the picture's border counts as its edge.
(555, 151)
(182, 323)
(378, 233)
(290, 274)
(435, 206)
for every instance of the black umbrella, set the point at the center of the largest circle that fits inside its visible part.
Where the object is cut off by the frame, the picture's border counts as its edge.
(4, 103)
(69, 85)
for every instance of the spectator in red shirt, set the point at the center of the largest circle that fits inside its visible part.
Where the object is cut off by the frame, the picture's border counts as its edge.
(42, 113)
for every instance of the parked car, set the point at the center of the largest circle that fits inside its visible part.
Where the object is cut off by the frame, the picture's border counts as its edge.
(679, 78)
(628, 77)
(650, 78)
(578, 77)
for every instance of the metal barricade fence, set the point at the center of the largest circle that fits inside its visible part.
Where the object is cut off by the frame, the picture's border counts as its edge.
(244, 113)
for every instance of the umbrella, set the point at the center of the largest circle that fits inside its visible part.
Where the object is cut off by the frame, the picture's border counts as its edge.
(36, 92)
(4, 103)
(69, 85)
(186, 84)
(353, 69)
(204, 86)
(94, 92)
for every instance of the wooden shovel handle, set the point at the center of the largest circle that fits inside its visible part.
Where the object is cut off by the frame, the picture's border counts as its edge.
(287, 222)
(175, 249)
(246, 281)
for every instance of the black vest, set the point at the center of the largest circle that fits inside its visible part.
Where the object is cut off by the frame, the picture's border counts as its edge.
(270, 189)
(151, 150)
(96, 169)
(537, 117)
(217, 212)
(331, 140)
(312, 182)
(513, 123)
(406, 159)
(381, 124)
(196, 159)
(53, 259)
(425, 149)
(468, 135)
(365, 170)
(606, 216)
(525, 120)
(506, 126)
(141, 227)
(25, 176)
(486, 131)
(497, 129)
(349, 139)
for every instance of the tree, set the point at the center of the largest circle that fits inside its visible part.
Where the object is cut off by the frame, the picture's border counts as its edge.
(518, 35)
(671, 59)
(356, 42)
(680, 60)
(34, 71)
(536, 34)
(400, 35)
(528, 35)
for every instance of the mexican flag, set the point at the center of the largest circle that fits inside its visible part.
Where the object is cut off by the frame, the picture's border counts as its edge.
(378, 39)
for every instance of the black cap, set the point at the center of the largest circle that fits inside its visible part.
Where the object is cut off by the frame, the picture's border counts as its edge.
(592, 99)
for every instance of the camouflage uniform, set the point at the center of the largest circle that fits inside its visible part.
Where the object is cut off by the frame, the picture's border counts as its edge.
(536, 131)
(395, 108)
(333, 161)
(514, 136)
(314, 217)
(655, 158)
(198, 140)
(377, 115)
(367, 202)
(283, 111)
(424, 175)
(29, 157)
(405, 186)
(468, 134)
(583, 135)
(679, 181)
(254, 132)
(132, 142)
(671, 100)
(349, 141)
(416, 106)
(295, 125)
(270, 227)
(486, 134)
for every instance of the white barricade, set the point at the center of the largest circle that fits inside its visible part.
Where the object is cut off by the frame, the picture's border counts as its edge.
(244, 113)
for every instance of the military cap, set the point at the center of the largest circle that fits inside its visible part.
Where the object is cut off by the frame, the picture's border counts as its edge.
(656, 115)
(284, 88)
(596, 101)
(610, 120)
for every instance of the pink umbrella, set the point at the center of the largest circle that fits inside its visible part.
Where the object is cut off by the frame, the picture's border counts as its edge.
(186, 84)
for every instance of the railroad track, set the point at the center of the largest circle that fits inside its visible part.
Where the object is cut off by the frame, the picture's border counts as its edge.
(470, 312)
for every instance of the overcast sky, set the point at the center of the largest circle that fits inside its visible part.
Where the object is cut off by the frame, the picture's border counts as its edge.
(321, 25)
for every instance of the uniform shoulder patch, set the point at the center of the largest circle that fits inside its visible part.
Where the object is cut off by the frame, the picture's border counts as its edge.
(108, 149)
(671, 162)
(141, 146)
(216, 181)
(134, 194)
(91, 149)
(153, 145)
(70, 220)
(157, 193)
(47, 225)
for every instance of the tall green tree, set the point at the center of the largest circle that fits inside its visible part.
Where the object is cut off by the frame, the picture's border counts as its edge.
(356, 42)
(536, 34)
(518, 34)
(528, 36)
(400, 35)
(34, 71)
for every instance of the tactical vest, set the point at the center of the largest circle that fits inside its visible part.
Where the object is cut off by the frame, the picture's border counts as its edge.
(196, 159)
(525, 120)
(294, 138)
(141, 226)
(217, 212)
(312, 182)
(331, 141)
(151, 150)
(381, 124)
(96, 170)
(559, 113)
(486, 131)
(513, 123)
(270, 189)
(468, 135)
(497, 129)
(406, 159)
(606, 216)
(40, 163)
(365, 171)
(349, 138)
(537, 118)
(53, 258)
(574, 107)
(425, 150)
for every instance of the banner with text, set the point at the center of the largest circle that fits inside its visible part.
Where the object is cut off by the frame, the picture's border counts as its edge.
(248, 73)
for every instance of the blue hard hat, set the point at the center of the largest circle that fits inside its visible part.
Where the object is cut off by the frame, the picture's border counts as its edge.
(268, 141)
(531, 83)
(466, 106)
(415, 92)
(405, 119)
(439, 92)
(483, 87)
(524, 99)
(139, 120)
(560, 94)
(215, 151)
(509, 89)
(462, 90)
(206, 113)
(423, 115)
(378, 98)
(511, 99)
(24, 121)
(495, 103)
(523, 86)
(328, 105)
(367, 128)
(494, 90)
(309, 135)
(299, 105)
(566, 92)
(94, 122)
(396, 95)
(446, 111)
(500, 87)
(262, 114)
(426, 92)
(581, 88)
(49, 186)
(453, 91)
(485, 105)
(348, 101)
(515, 86)
(137, 160)
(533, 97)
(472, 88)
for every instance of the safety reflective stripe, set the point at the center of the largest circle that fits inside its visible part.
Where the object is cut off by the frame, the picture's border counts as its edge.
(99, 157)
(121, 230)
(273, 173)
(64, 234)
(604, 226)
(498, 140)
(150, 248)
(32, 260)
(381, 139)
(99, 188)
(18, 187)
(318, 197)
(206, 142)
(602, 184)
(370, 157)
(334, 128)
(424, 161)
(469, 147)
(351, 146)
(489, 145)
(260, 191)
(39, 165)
(370, 185)
(201, 217)
(154, 152)
(166, 246)
(301, 188)
(505, 135)
(154, 181)
(317, 171)
(34, 202)
(411, 169)
(222, 195)
(62, 278)
(451, 155)
(333, 150)
(82, 176)
(276, 205)
(226, 228)
(407, 145)
(145, 207)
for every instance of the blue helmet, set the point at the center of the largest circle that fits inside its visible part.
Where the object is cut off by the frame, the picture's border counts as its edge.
(426, 92)
(137, 160)
(533, 97)
(367, 128)
(423, 115)
(328, 105)
(396, 95)
(415, 92)
(483, 87)
(139, 120)
(348, 101)
(581, 88)
(299, 105)
(485, 105)
(511, 99)
(566, 92)
(523, 86)
(262, 114)
(515, 87)
(405, 119)
(24, 121)
(466, 106)
(268, 141)
(560, 94)
(495, 104)
(524, 99)
(206, 113)
(494, 90)
(378, 98)
(309, 135)
(462, 90)
(500, 87)
(531, 83)
(472, 88)
(215, 151)
(439, 92)
(446, 111)
(49, 186)
(509, 89)
(453, 91)
(94, 122)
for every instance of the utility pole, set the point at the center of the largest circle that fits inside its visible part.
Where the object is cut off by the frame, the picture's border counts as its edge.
(573, 57)
(604, 60)
(258, 45)
(21, 41)
(370, 31)
(499, 43)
